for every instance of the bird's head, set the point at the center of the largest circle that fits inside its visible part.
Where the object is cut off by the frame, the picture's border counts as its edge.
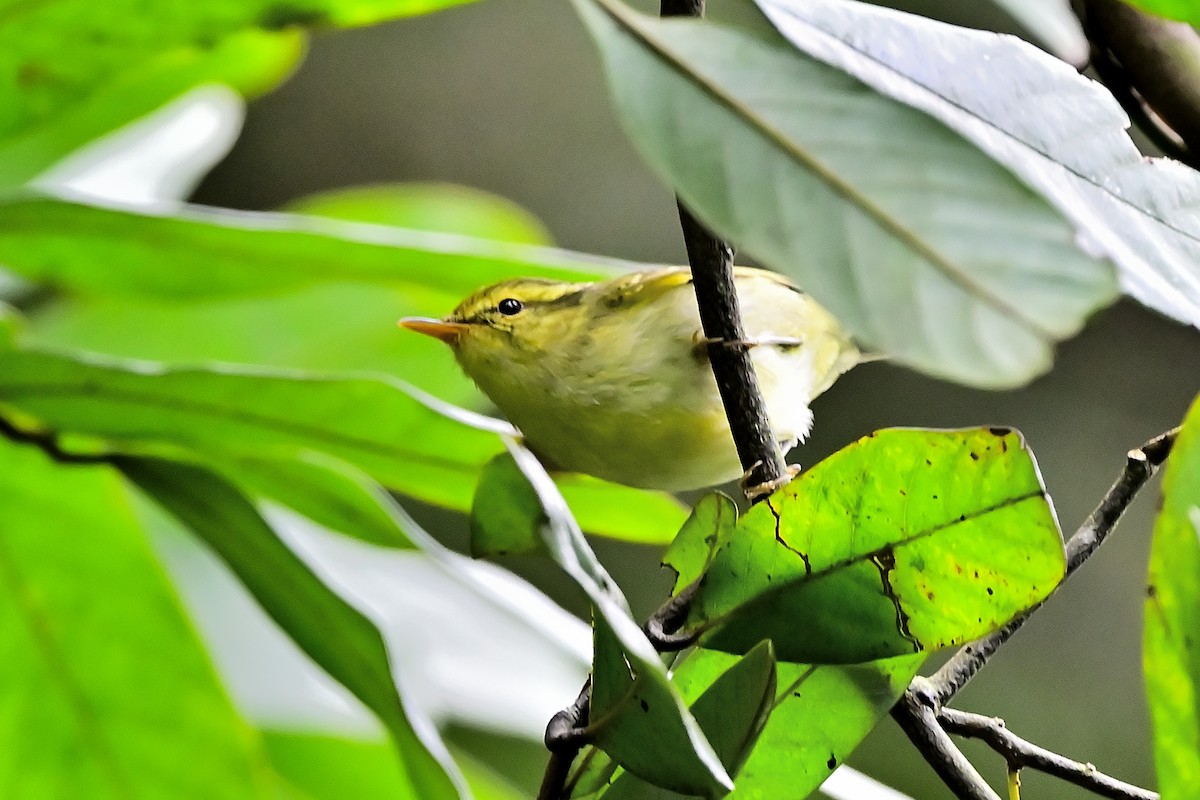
(507, 324)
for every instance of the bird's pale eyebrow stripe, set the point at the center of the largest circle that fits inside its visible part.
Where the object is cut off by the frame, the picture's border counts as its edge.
(572, 298)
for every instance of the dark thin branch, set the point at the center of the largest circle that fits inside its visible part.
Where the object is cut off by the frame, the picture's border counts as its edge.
(711, 260)
(564, 741)
(919, 722)
(48, 444)
(1019, 753)
(1152, 65)
(712, 276)
(1140, 465)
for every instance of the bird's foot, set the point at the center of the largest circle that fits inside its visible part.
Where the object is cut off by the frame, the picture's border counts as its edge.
(767, 487)
(702, 343)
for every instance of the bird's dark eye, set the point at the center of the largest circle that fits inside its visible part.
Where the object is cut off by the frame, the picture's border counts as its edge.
(509, 306)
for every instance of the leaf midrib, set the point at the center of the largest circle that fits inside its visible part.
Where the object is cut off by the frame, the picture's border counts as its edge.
(888, 223)
(1116, 198)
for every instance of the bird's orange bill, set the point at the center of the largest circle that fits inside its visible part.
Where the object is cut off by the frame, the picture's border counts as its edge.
(448, 332)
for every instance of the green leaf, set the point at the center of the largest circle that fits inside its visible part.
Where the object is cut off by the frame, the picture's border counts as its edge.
(375, 424)
(336, 636)
(793, 160)
(252, 62)
(732, 712)
(356, 329)
(712, 521)
(11, 323)
(689, 761)
(107, 691)
(821, 714)
(1062, 134)
(1171, 646)
(634, 717)
(204, 253)
(506, 515)
(906, 541)
(70, 63)
(323, 490)
(429, 207)
(1183, 10)
(325, 767)
(330, 768)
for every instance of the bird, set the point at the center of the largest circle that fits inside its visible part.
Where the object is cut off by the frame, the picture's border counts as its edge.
(611, 378)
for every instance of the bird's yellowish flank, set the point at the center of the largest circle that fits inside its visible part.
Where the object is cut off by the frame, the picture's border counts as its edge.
(612, 378)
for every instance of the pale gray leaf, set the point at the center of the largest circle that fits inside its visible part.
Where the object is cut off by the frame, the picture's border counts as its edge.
(1061, 133)
(921, 244)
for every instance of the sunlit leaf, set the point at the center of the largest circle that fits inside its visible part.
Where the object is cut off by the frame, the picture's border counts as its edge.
(732, 711)
(690, 765)
(923, 245)
(821, 714)
(1062, 134)
(331, 325)
(252, 62)
(11, 323)
(1172, 630)
(336, 636)
(330, 768)
(377, 425)
(159, 158)
(74, 70)
(906, 541)
(210, 253)
(506, 515)
(428, 207)
(1185, 10)
(325, 491)
(712, 520)
(107, 692)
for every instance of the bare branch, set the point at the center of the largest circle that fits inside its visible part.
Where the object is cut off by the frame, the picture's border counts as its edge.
(1019, 753)
(919, 722)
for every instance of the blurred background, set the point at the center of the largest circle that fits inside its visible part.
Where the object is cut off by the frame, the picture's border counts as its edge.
(507, 96)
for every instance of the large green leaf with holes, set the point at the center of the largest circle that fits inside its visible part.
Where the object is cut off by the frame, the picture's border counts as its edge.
(108, 693)
(906, 541)
(1172, 629)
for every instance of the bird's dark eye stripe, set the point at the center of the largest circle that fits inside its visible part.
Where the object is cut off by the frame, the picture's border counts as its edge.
(509, 306)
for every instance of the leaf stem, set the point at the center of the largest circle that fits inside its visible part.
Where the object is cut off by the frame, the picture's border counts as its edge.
(711, 260)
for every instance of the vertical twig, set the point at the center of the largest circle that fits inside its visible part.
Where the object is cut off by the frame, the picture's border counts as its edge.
(711, 260)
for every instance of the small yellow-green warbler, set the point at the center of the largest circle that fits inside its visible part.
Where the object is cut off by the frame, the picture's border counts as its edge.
(612, 378)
